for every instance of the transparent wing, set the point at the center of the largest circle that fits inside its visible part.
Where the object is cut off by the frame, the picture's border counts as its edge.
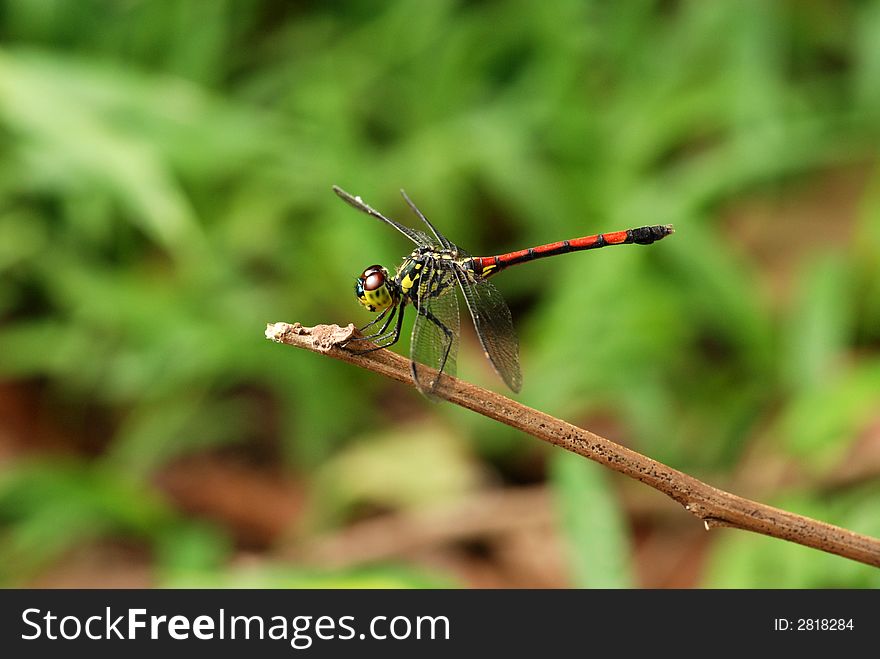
(436, 328)
(494, 326)
(417, 237)
(444, 242)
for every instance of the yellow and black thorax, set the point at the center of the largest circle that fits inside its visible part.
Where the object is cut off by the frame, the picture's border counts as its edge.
(424, 273)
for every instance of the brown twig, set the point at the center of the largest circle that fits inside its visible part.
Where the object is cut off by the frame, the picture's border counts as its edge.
(715, 507)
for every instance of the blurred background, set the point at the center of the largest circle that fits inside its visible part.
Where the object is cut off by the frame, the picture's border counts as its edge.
(165, 191)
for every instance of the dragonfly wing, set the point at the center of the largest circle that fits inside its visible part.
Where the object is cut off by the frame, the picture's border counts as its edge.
(417, 237)
(444, 242)
(434, 346)
(494, 326)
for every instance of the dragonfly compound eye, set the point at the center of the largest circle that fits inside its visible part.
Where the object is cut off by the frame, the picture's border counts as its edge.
(372, 289)
(374, 279)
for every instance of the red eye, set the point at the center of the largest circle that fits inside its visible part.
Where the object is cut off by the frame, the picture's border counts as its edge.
(374, 280)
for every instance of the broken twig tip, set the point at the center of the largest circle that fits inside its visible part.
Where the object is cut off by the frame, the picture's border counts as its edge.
(321, 338)
(276, 331)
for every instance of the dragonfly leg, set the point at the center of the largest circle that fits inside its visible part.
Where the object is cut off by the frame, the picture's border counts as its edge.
(378, 318)
(385, 337)
(381, 335)
(382, 338)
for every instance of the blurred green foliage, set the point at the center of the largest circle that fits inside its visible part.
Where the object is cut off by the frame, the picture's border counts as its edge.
(591, 519)
(165, 173)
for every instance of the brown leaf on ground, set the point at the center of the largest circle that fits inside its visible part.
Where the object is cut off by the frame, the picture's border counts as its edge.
(256, 505)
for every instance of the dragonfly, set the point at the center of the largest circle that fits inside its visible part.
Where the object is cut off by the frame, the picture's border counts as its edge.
(427, 280)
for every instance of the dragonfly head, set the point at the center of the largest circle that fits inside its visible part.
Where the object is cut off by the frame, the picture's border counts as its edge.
(376, 290)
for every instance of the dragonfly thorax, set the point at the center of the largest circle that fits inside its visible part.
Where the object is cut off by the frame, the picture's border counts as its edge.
(413, 269)
(376, 290)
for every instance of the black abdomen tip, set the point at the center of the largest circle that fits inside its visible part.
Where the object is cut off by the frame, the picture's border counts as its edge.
(648, 235)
